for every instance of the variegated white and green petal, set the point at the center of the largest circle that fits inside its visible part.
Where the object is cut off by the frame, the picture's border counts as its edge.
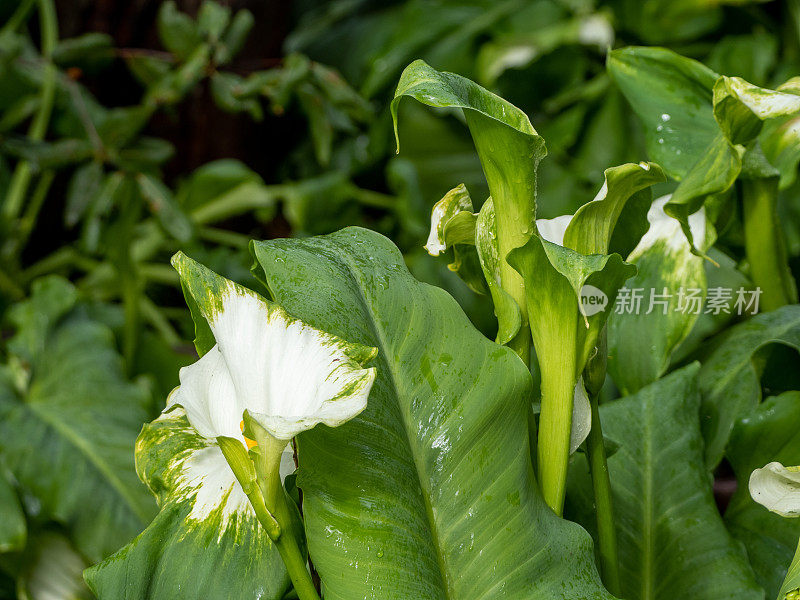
(205, 541)
(665, 231)
(780, 139)
(454, 202)
(209, 398)
(740, 107)
(581, 416)
(641, 340)
(287, 375)
(777, 488)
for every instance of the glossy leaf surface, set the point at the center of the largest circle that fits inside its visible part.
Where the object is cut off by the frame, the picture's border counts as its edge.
(424, 495)
(730, 379)
(672, 540)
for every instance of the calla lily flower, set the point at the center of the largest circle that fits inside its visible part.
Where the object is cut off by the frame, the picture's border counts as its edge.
(268, 376)
(287, 375)
(777, 488)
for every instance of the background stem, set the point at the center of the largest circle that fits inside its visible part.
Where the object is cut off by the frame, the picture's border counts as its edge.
(21, 178)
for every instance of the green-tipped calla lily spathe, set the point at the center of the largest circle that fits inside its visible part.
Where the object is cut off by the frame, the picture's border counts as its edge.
(777, 488)
(267, 378)
(214, 457)
(287, 375)
(576, 259)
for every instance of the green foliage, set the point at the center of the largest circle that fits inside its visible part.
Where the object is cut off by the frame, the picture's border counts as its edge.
(673, 543)
(441, 487)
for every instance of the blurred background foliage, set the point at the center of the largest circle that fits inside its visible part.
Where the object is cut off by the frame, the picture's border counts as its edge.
(129, 130)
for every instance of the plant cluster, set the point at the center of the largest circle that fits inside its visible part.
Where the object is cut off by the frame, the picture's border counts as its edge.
(620, 347)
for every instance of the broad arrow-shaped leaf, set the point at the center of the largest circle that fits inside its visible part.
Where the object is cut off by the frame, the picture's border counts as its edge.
(67, 433)
(205, 542)
(672, 95)
(771, 432)
(658, 307)
(730, 377)
(429, 493)
(672, 541)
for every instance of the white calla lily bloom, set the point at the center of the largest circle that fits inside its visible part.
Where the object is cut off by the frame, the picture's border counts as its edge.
(288, 375)
(777, 488)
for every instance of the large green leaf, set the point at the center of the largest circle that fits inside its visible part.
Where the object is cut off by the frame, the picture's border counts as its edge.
(205, 542)
(672, 95)
(672, 541)
(730, 377)
(771, 432)
(671, 285)
(429, 493)
(509, 149)
(69, 421)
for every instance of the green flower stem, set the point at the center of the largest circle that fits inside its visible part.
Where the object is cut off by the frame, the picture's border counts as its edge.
(28, 220)
(764, 244)
(606, 529)
(20, 180)
(18, 18)
(594, 376)
(268, 460)
(558, 363)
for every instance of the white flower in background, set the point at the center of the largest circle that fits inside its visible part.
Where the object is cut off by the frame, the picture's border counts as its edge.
(777, 488)
(553, 230)
(287, 375)
(581, 416)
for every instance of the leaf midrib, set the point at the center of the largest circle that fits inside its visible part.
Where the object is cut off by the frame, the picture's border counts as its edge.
(384, 345)
(85, 450)
(648, 510)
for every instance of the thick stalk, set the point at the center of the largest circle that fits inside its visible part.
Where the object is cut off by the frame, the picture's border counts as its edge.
(601, 483)
(558, 367)
(555, 425)
(764, 244)
(21, 178)
(268, 469)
